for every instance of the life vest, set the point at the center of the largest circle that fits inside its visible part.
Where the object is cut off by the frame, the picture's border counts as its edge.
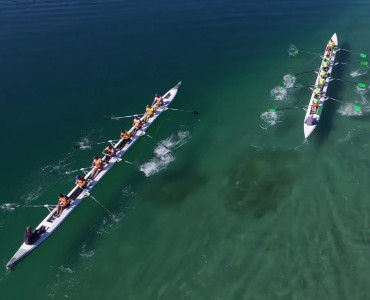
(325, 64)
(317, 90)
(125, 135)
(315, 101)
(149, 111)
(98, 163)
(322, 73)
(322, 80)
(331, 43)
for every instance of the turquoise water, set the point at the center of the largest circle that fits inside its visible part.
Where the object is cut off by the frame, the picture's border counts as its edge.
(243, 208)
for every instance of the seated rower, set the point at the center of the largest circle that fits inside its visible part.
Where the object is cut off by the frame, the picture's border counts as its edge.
(325, 63)
(137, 124)
(125, 138)
(63, 202)
(149, 112)
(317, 91)
(331, 44)
(157, 102)
(323, 73)
(97, 165)
(108, 153)
(315, 105)
(32, 236)
(322, 82)
(82, 184)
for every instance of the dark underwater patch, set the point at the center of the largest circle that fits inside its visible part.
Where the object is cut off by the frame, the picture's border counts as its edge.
(258, 182)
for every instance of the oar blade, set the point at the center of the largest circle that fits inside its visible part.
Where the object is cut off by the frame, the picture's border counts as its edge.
(364, 63)
(363, 55)
(361, 85)
(271, 110)
(356, 107)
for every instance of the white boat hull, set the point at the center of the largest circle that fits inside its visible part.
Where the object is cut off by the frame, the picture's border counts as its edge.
(51, 222)
(311, 119)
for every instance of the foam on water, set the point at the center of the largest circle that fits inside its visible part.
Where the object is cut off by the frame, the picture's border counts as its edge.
(270, 119)
(358, 72)
(86, 254)
(348, 110)
(34, 194)
(84, 144)
(59, 167)
(289, 80)
(9, 206)
(163, 155)
(279, 93)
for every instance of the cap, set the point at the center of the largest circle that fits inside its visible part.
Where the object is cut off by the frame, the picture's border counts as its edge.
(78, 177)
(156, 95)
(96, 157)
(61, 195)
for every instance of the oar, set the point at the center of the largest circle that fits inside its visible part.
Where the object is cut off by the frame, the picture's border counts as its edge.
(87, 194)
(305, 72)
(295, 51)
(293, 87)
(359, 84)
(132, 163)
(81, 169)
(79, 146)
(117, 118)
(363, 55)
(362, 63)
(271, 110)
(355, 107)
(149, 136)
(195, 112)
(12, 206)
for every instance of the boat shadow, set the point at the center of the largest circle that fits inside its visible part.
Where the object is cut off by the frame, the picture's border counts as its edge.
(335, 88)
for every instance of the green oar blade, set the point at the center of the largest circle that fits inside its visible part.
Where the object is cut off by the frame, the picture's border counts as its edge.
(363, 55)
(364, 63)
(361, 85)
(356, 107)
(271, 110)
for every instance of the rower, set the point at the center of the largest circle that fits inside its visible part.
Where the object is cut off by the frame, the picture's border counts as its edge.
(331, 43)
(125, 138)
(325, 64)
(315, 105)
(137, 124)
(321, 82)
(317, 91)
(323, 73)
(97, 165)
(149, 112)
(108, 153)
(32, 236)
(157, 102)
(63, 202)
(81, 185)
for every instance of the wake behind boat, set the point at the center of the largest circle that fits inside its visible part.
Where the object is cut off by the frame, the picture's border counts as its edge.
(48, 226)
(318, 97)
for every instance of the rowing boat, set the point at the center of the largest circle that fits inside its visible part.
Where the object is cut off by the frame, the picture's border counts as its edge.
(312, 116)
(51, 222)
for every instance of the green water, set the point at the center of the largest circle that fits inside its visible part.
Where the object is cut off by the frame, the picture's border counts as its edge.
(243, 208)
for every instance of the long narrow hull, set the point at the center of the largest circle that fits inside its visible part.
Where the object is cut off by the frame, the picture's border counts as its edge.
(312, 117)
(51, 222)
